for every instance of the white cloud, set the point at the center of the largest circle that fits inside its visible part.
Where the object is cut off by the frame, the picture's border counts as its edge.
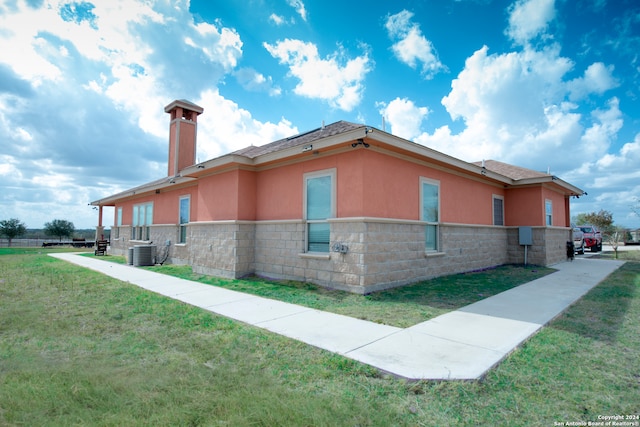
(529, 19)
(513, 108)
(225, 127)
(95, 125)
(254, 81)
(119, 45)
(597, 79)
(21, 31)
(510, 103)
(334, 79)
(612, 182)
(277, 19)
(8, 166)
(598, 137)
(404, 117)
(412, 47)
(221, 46)
(298, 5)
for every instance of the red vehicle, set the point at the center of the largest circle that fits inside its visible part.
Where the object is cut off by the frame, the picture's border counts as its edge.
(592, 237)
(578, 239)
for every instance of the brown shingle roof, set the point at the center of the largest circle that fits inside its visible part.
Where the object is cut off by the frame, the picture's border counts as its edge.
(510, 171)
(300, 139)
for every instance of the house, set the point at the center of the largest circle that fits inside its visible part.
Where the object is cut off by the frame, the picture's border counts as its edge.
(345, 206)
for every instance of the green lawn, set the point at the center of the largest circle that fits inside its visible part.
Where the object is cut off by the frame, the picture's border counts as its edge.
(80, 348)
(401, 307)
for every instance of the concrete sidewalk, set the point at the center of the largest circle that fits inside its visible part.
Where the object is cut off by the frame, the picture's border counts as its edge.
(462, 345)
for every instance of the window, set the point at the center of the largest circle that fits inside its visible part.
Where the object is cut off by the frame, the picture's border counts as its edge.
(319, 205)
(142, 219)
(498, 210)
(548, 210)
(430, 205)
(118, 222)
(185, 203)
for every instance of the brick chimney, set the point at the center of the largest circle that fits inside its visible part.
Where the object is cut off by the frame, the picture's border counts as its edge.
(182, 134)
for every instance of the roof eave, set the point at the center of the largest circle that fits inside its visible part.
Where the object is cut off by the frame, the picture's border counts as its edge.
(313, 146)
(424, 151)
(209, 166)
(552, 179)
(146, 188)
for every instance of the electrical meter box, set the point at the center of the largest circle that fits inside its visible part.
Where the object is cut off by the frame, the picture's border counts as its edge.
(526, 236)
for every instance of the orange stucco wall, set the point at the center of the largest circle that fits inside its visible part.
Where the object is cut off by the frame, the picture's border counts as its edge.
(524, 206)
(166, 209)
(186, 131)
(171, 163)
(392, 189)
(218, 197)
(227, 196)
(187, 149)
(165, 206)
(247, 195)
(279, 191)
(369, 184)
(559, 207)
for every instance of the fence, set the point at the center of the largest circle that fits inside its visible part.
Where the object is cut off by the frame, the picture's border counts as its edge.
(30, 243)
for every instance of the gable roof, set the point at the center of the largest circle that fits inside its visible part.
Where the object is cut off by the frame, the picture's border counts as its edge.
(341, 132)
(300, 139)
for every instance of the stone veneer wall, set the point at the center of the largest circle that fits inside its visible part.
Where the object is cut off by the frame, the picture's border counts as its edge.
(224, 248)
(549, 246)
(394, 251)
(381, 253)
(556, 244)
(118, 245)
(277, 248)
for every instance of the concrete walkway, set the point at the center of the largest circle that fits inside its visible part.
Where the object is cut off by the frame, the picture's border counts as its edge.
(461, 345)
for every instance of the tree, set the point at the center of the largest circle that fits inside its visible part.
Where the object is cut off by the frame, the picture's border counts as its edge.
(603, 219)
(59, 227)
(613, 236)
(12, 228)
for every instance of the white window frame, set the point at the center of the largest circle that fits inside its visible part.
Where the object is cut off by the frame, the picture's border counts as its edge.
(118, 222)
(548, 216)
(436, 183)
(493, 209)
(311, 175)
(182, 237)
(141, 231)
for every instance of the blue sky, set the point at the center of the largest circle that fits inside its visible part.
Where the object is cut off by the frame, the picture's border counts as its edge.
(548, 85)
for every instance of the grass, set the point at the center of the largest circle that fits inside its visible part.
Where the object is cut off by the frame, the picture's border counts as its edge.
(401, 307)
(633, 255)
(80, 348)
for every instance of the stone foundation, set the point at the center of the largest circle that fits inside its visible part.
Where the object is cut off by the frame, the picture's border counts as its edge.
(221, 249)
(380, 254)
(549, 246)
